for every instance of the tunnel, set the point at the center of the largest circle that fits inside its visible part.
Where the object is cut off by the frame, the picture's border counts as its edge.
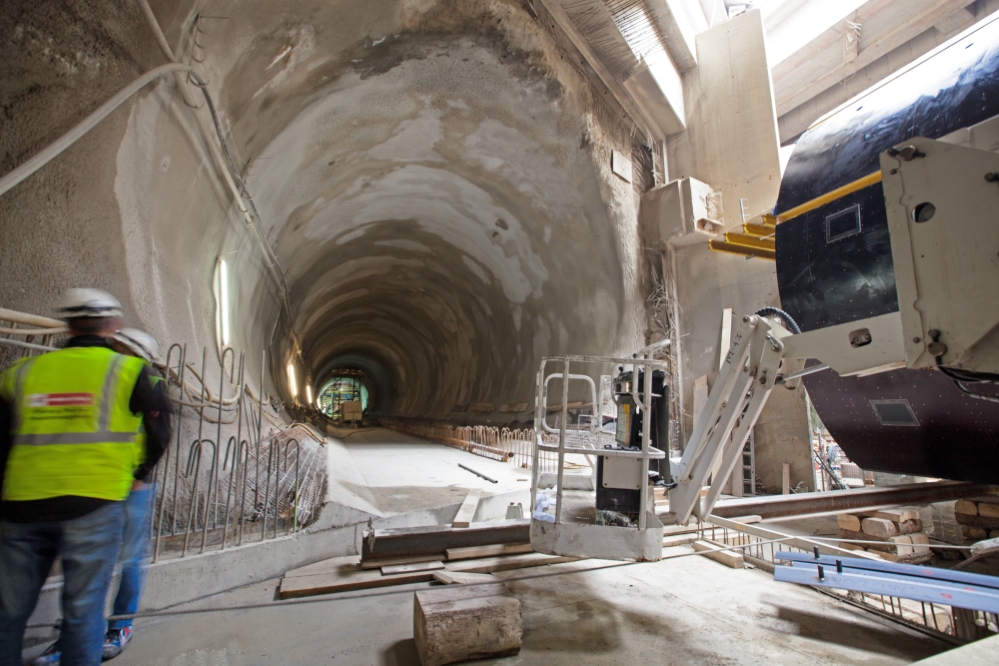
(435, 197)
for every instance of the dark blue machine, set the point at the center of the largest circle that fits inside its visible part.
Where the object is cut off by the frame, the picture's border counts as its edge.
(834, 265)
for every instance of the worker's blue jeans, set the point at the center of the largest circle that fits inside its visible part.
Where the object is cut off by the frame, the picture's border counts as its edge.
(134, 553)
(88, 548)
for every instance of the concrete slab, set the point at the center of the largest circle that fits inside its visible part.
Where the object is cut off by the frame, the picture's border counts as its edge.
(677, 611)
(401, 474)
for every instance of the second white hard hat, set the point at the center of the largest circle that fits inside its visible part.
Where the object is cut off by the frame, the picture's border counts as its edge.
(139, 342)
(79, 303)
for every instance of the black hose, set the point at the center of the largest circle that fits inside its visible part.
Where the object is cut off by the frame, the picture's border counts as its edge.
(783, 316)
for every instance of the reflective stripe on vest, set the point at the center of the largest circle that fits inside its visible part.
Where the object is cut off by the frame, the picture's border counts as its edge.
(80, 399)
(74, 433)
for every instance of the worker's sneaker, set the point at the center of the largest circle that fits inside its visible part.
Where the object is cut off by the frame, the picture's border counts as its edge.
(48, 658)
(115, 641)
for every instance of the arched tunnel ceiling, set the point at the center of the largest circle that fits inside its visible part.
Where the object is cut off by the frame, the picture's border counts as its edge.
(441, 201)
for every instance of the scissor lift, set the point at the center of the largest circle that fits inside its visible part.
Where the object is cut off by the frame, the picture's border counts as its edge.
(572, 526)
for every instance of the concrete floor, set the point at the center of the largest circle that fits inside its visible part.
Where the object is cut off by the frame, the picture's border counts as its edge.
(404, 473)
(682, 611)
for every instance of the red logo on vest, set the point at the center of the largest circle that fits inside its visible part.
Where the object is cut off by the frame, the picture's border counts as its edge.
(60, 399)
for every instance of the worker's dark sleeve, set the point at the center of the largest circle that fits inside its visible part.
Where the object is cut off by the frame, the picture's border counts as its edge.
(6, 423)
(149, 398)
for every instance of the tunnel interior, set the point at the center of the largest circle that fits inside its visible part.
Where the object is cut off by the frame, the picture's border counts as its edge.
(441, 203)
(437, 194)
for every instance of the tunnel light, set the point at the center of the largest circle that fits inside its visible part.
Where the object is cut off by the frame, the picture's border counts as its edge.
(224, 301)
(308, 393)
(291, 381)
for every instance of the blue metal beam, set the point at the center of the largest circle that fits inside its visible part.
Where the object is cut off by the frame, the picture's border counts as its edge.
(894, 585)
(933, 573)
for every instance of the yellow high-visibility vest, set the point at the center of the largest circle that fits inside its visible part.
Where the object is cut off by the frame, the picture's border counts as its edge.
(73, 433)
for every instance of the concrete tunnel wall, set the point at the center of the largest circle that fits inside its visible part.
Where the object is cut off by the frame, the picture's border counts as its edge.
(433, 177)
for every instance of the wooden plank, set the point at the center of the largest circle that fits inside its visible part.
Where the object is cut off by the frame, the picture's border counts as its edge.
(411, 568)
(347, 579)
(460, 624)
(436, 539)
(988, 510)
(977, 521)
(878, 527)
(488, 551)
(466, 512)
(785, 483)
(393, 561)
(848, 521)
(331, 565)
(897, 515)
(506, 563)
(459, 578)
(729, 558)
(966, 507)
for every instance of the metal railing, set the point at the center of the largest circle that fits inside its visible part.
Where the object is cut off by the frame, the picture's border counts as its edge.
(223, 480)
(954, 625)
(504, 444)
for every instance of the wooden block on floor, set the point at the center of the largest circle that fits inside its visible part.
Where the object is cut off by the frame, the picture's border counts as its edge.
(466, 512)
(507, 562)
(878, 527)
(458, 624)
(988, 510)
(394, 561)
(845, 545)
(730, 558)
(848, 521)
(412, 568)
(488, 551)
(459, 578)
(966, 507)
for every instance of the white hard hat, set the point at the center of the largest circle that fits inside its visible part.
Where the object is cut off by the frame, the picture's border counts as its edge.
(78, 303)
(139, 342)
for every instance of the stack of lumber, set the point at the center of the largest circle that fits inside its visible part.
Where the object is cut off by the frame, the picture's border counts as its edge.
(978, 517)
(900, 530)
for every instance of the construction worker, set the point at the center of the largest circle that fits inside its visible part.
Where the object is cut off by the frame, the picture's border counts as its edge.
(69, 422)
(138, 508)
(138, 514)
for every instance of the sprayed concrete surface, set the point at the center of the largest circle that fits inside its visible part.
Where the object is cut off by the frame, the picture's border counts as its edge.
(432, 175)
(683, 611)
